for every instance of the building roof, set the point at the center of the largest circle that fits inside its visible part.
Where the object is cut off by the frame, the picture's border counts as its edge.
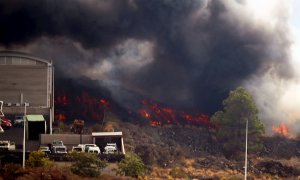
(24, 55)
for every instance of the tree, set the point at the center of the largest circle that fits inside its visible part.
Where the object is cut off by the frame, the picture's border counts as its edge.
(231, 122)
(38, 159)
(132, 166)
(77, 126)
(86, 164)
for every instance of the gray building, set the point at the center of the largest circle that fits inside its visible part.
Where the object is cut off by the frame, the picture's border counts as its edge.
(26, 80)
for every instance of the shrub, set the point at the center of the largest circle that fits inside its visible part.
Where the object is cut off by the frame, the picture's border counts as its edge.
(38, 159)
(11, 171)
(49, 173)
(86, 164)
(132, 166)
(177, 172)
(147, 153)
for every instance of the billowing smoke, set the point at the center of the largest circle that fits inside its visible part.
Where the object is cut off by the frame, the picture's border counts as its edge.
(185, 53)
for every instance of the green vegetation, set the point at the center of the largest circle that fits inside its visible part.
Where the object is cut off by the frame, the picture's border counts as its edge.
(86, 164)
(38, 159)
(132, 166)
(231, 122)
(177, 172)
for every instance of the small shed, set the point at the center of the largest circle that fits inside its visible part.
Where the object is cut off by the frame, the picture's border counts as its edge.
(36, 125)
(102, 138)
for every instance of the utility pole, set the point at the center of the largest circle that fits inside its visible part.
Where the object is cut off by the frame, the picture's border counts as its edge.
(246, 149)
(52, 99)
(24, 135)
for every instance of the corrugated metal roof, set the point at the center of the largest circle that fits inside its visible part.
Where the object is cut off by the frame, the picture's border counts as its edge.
(25, 55)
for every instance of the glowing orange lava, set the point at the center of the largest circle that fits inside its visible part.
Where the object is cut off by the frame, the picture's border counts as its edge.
(158, 116)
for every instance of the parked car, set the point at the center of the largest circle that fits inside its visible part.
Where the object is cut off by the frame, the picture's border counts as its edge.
(58, 148)
(110, 148)
(19, 121)
(87, 146)
(94, 149)
(77, 149)
(7, 146)
(45, 149)
(5, 123)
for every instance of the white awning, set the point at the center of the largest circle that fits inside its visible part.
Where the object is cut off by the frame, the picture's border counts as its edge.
(35, 118)
(99, 134)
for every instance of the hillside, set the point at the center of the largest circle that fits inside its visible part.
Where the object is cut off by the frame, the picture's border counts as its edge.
(193, 152)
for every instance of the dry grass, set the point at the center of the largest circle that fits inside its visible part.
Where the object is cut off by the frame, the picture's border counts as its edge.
(192, 170)
(294, 162)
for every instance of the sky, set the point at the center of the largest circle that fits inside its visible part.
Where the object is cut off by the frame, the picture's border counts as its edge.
(295, 26)
(187, 54)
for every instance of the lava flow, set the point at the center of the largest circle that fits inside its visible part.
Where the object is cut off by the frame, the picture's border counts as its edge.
(82, 105)
(158, 116)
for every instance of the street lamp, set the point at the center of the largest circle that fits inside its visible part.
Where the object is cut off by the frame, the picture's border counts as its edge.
(24, 135)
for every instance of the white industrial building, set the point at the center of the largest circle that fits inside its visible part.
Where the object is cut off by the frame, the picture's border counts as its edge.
(26, 80)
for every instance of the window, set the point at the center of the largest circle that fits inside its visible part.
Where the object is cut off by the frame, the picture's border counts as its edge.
(2, 60)
(8, 60)
(16, 60)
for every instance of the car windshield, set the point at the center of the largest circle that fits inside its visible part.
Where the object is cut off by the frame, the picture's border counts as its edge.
(91, 145)
(57, 143)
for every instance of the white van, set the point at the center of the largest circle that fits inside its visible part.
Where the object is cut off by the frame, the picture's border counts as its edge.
(110, 148)
(94, 149)
(87, 148)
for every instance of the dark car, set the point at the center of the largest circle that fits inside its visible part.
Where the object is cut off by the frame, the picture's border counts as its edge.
(19, 121)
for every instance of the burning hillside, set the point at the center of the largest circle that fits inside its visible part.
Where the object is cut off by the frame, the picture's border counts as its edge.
(159, 116)
(186, 54)
(74, 100)
(80, 102)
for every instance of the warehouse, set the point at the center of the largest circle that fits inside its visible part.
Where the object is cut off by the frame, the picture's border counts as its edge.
(26, 85)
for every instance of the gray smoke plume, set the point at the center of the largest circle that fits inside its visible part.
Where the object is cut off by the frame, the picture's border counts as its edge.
(184, 53)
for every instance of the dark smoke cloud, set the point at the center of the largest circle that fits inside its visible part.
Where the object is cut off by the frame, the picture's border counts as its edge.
(201, 49)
